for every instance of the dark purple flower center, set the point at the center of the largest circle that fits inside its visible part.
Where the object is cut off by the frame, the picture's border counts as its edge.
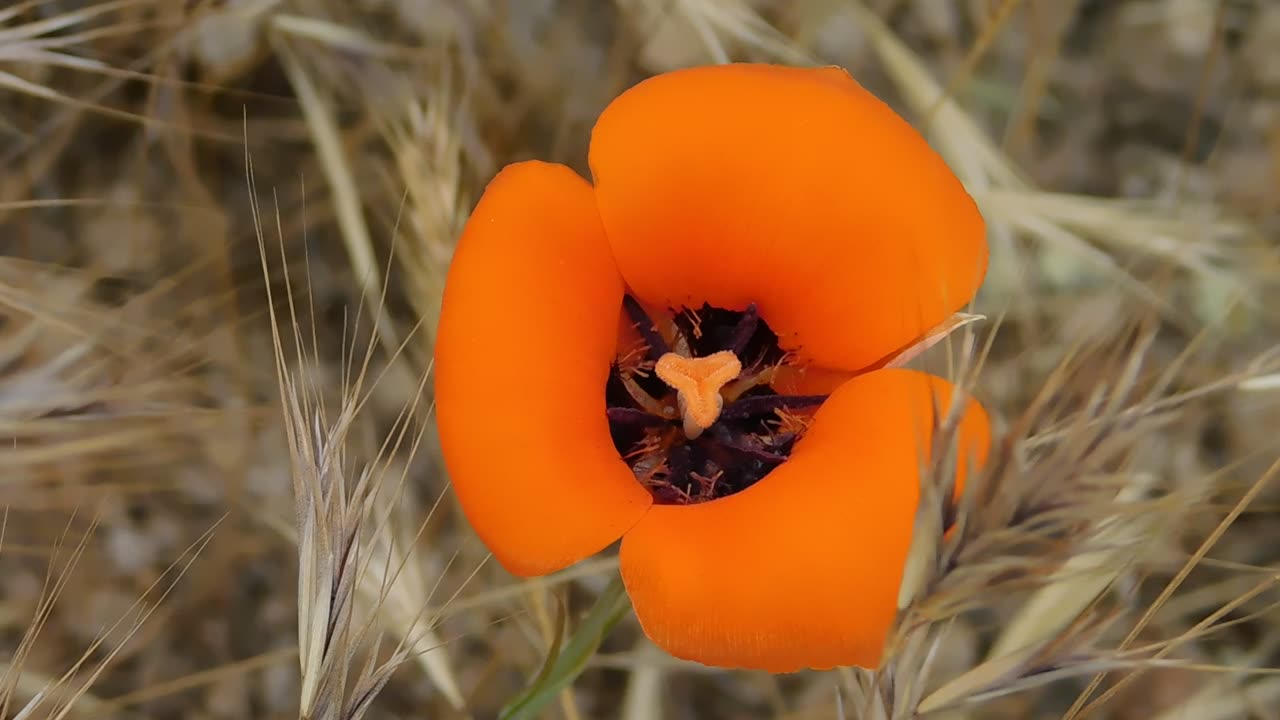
(756, 428)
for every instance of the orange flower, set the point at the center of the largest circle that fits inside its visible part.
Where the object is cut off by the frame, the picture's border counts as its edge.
(689, 354)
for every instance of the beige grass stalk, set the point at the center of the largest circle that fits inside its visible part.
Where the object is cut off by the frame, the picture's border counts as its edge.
(86, 381)
(1078, 583)
(412, 98)
(439, 92)
(1084, 704)
(422, 133)
(355, 558)
(38, 43)
(319, 113)
(330, 516)
(691, 32)
(1228, 698)
(30, 52)
(1076, 234)
(418, 128)
(68, 695)
(20, 691)
(396, 583)
(1059, 514)
(645, 688)
(52, 345)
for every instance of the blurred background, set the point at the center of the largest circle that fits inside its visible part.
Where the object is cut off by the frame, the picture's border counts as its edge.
(224, 229)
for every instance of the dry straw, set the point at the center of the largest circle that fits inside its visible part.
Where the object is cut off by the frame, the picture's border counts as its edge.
(1096, 558)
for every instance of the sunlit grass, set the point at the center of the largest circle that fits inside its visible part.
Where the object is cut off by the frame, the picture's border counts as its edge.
(281, 185)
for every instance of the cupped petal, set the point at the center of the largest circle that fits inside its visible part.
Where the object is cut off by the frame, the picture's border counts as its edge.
(793, 188)
(808, 379)
(802, 569)
(528, 329)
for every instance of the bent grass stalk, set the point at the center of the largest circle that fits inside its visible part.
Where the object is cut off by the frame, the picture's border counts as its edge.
(1062, 228)
(350, 550)
(69, 694)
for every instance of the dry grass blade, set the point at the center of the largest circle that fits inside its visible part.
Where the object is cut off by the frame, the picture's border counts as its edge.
(395, 586)
(351, 546)
(355, 231)
(689, 32)
(35, 48)
(1078, 236)
(1081, 579)
(418, 114)
(129, 624)
(961, 141)
(329, 522)
(1227, 700)
(14, 680)
(1125, 155)
(424, 137)
(203, 678)
(644, 689)
(1172, 586)
(84, 379)
(69, 694)
(1067, 536)
(866, 697)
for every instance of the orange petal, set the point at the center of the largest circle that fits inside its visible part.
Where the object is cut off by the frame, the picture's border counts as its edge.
(528, 328)
(808, 380)
(794, 188)
(802, 569)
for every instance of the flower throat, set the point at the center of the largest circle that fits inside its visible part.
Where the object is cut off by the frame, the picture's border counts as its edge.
(692, 411)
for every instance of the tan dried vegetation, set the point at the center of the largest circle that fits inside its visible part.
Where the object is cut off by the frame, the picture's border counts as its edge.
(224, 227)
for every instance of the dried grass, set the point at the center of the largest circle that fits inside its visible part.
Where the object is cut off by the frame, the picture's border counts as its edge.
(224, 228)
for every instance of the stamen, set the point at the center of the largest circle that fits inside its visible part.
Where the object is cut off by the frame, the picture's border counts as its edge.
(742, 385)
(756, 453)
(697, 382)
(744, 330)
(633, 417)
(721, 365)
(695, 321)
(766, 404)
(644, 324)
(681, 462)
(645, 400)
(790, 425)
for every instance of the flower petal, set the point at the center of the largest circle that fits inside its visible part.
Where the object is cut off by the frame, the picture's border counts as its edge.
(802, 569)
(808, 379)
(794, 188)
(528, 328)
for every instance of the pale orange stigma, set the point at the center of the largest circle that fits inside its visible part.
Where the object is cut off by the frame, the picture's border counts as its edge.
(697, 382)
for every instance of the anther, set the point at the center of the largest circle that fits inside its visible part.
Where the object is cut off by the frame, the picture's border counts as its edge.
(697, 382)
(645, 326)
(744, 330)
(757, 405)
